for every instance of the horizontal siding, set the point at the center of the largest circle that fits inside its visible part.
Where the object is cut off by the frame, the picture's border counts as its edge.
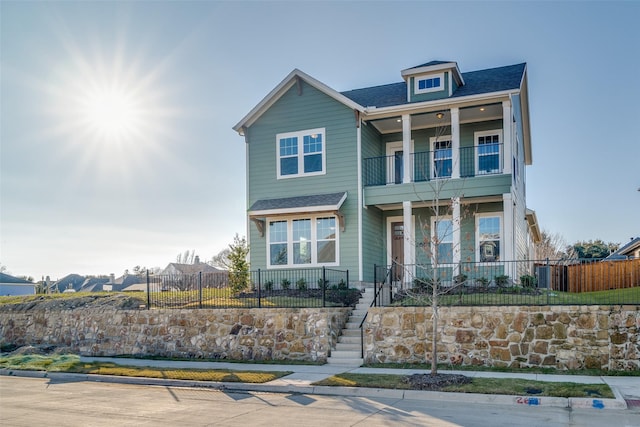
(293, 112)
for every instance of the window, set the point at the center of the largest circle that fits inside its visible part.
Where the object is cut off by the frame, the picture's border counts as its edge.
(489, 233)
(301, 153)
(432, 83)
(488, 149)
(441, 157)
(303, 241)
(444, 230)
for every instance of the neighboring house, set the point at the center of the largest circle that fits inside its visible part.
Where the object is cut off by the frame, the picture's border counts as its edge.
(69, 283)
(345, 179)
(631, 250)
(10, 285)
(94, 284)
(195, 268)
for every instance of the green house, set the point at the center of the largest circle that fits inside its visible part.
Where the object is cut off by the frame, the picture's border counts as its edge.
(428, 169)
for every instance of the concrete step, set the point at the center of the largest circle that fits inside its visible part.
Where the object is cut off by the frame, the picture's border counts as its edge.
(345, 354)
(349, 340)
(351, 333)
(345, 362)
(342, 346)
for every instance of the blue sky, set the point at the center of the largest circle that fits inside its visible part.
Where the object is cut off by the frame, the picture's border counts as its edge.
(78, 196)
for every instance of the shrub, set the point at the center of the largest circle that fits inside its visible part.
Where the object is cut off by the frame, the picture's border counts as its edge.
(342, 284)
(323, 284)
(501, 280)
(301, 284)
(482, 281)
(460, 279)
(424, 284)
(285, 284)
(528, 281)
(268, 285)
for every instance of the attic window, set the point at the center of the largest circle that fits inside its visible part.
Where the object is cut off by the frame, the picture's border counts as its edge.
(432, 83)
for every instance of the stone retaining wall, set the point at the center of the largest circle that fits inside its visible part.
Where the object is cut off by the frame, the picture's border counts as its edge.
(241, 334)
(563, 337)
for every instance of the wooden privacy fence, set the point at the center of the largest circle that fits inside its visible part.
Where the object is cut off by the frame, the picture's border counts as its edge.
(603, 275)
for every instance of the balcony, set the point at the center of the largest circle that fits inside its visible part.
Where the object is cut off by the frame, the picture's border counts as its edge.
(479, 160)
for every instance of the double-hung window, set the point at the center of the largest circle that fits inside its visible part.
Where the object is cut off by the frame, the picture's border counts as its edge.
(489, 236)
(488, 149)
(443, 245)
(441, 157)
(305, 241)
(301, 153)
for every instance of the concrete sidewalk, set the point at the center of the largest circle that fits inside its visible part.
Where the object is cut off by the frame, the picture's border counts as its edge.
(626, 389)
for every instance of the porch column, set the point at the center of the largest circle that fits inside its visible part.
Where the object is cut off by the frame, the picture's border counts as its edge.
(507, 123)
(406, 149)
(409, 242)
(457, 240)
(455, 142)
(507, 252)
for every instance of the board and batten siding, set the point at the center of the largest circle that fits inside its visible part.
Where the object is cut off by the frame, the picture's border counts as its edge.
(295, 112)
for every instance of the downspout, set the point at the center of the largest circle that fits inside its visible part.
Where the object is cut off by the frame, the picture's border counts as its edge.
(360, 195)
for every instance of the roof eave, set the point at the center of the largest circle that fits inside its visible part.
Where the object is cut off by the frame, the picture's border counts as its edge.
(431, 68)
(282, 88)
(375, 112)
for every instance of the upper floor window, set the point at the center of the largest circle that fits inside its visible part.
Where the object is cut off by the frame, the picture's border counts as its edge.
(441, 157)
(301, 153)
(432, 83)
(489, 152)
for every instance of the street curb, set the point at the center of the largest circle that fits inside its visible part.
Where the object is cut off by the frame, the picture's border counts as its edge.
(496, 399)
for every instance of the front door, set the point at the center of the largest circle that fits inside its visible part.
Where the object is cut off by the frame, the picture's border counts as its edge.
(397, 250)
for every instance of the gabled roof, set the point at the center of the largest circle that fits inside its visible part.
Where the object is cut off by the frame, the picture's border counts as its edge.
(191, 268)
(7, 278)
(434, 66)
(293, 78)
(626, 250)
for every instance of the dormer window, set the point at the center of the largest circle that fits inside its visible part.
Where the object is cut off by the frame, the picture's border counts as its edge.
(432, 83)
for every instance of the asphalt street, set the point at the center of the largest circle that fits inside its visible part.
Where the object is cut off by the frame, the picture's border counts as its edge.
(69, 402)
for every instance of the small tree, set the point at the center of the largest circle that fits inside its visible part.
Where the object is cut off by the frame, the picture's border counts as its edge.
(238, 264)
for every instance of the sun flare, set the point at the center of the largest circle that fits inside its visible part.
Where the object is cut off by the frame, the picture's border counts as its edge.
(110, 112)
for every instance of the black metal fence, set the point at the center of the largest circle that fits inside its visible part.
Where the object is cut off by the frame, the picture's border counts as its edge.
(284, 288)
(530, 282)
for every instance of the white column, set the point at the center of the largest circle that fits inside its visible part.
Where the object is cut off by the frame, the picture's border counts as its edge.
(456, 224)
(409, 241)
(360, 200)
(507, 122)
(455, 142)
(406, 148)
(507, 252)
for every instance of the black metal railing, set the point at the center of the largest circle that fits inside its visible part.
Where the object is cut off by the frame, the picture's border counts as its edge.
(530, 282)
(283, 288)
(428, 165)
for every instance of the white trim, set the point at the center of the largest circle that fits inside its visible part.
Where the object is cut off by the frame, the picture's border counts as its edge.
(390, 150)
(432, 141)
(434, 230)
(417, 79)
(476, 145)
(300, 134)
(277, 92)
(499, 215)
(390, 220)
(314, 241)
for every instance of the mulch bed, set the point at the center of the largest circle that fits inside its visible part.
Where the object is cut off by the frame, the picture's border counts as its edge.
(435, 382)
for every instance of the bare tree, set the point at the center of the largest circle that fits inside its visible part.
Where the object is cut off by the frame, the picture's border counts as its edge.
(221, 260)
(553, 246)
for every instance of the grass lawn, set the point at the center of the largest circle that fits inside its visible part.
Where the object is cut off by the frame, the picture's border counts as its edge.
(72, 364)
(509, 386)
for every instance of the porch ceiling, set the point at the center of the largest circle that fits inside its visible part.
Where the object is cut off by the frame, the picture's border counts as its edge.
(429, 120)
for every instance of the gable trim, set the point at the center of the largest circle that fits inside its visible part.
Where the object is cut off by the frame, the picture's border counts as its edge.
(295, 77)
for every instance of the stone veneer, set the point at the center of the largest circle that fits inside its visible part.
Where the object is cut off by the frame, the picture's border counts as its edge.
(240, 334)
(563, 337)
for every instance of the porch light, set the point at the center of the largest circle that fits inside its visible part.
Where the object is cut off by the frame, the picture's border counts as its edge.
(481, 108)
(440, 115)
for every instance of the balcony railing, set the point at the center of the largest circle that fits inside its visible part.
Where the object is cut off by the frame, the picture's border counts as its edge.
(429, 165)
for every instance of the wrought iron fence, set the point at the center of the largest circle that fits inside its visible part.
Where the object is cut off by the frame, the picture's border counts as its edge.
(284, 288)
(473, 161)
(530, 282)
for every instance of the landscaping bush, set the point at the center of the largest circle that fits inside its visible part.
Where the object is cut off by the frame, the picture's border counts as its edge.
(301, 284)
(528, 281)
(285, 284)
